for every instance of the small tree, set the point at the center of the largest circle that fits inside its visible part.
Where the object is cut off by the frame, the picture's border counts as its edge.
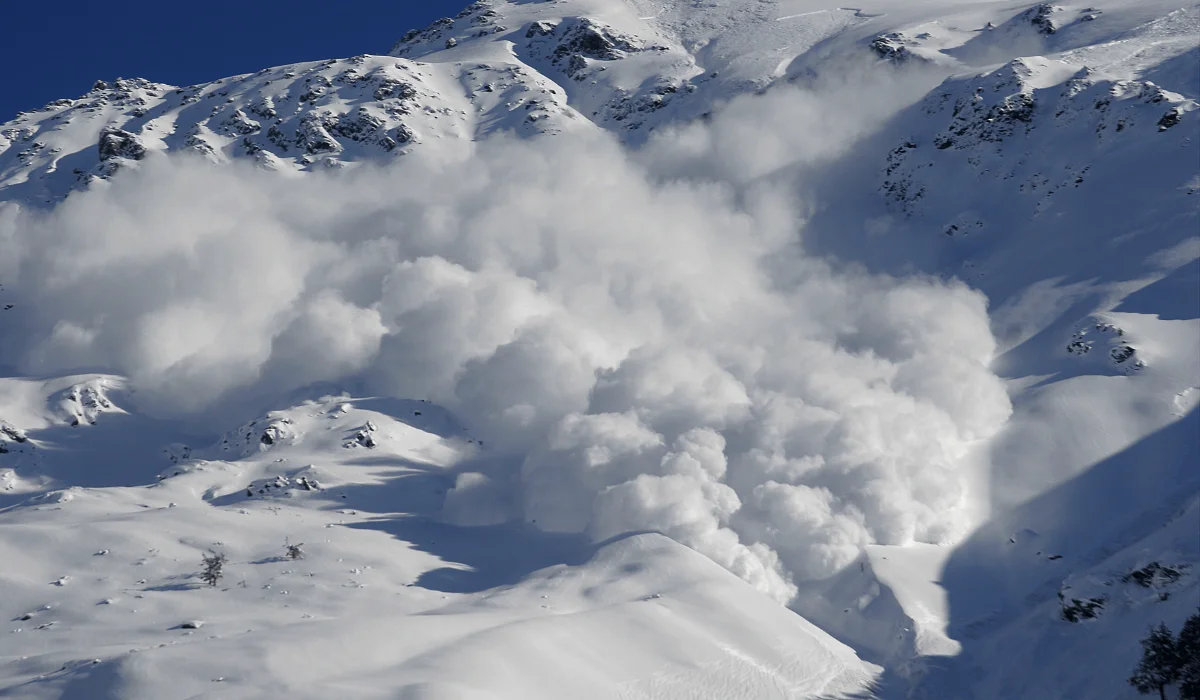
(213, 565)
(1160, 665)
(1189, 653)
(293, 550)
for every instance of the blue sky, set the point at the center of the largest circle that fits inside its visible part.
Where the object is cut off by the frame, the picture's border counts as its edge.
(58, 49)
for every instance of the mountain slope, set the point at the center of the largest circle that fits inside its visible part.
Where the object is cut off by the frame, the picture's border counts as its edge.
(737, 327)
(376, 606)
(503, 66)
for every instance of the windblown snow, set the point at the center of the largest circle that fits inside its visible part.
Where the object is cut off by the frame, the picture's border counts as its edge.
(613, 349)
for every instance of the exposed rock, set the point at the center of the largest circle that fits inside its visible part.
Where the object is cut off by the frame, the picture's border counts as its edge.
(1041, 16)
(391, 88)
(264, 107)
(84, 403)
(240, 123)
(540, 28)
(1170, 119)
(281, 486)
(1155, 575)
(364, 437)
(118, 143)
(892, 48)
(1076, 610)
(313, 134)
(358, 125)
(259, 435)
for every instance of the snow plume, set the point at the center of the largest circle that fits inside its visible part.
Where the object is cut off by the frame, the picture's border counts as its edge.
(652, 354)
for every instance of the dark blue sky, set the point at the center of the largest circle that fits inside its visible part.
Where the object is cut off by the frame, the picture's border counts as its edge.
(51, 50)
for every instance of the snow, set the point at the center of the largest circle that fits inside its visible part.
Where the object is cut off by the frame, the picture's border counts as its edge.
(604, 349)
(376, 605)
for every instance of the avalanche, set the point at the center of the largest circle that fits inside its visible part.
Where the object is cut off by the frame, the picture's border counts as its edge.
(613, 349)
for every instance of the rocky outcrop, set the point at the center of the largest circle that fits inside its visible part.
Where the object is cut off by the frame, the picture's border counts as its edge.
(84, 403)
(259, 435)
(575, 44)
(118, 143)
(1042, 18)
(1088, 596)
(893, 47)
(284, 486)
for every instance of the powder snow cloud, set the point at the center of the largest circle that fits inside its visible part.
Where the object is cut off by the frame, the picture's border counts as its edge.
(639, 347)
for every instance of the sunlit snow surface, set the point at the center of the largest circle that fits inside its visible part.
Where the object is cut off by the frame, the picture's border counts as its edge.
(572, 341)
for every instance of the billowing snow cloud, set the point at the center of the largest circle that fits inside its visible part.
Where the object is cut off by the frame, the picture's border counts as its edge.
(654, 352)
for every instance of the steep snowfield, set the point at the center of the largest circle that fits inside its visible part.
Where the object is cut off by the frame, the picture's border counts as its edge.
(617, 343)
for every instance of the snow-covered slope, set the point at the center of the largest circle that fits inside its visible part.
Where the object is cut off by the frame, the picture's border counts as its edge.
(1062, 185)
(618, 341)
(384, 600)
(297, 117)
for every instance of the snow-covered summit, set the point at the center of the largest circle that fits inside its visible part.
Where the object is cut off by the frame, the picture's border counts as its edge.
(534, 68)
(292, 118)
